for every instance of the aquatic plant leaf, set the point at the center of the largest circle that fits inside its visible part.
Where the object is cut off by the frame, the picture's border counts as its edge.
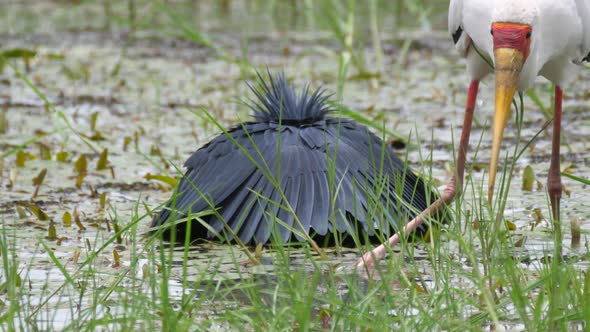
(38, 180)
(96, 136)
(103, 201)
(126, 141)
(55, 56)
(117, 229)
(155, 151)
(116, 259)
(62, 156)
(18, 53)
(76, 255)
(81, 165)
(162, 178)
(67, 219)
(38, 212)
(102, 160)
(537, 218)
(78, 221)
(21, 212)
(80, 180)
(419, 288)
(116, 69)
(44, 151)
(51, 232)
(136, 140)
(22, 157)
(93, 119)
(528, 178)
(510, 225)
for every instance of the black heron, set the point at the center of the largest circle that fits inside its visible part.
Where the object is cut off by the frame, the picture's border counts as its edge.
(294, 170)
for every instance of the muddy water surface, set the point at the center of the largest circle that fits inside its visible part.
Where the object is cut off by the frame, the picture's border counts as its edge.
(148, 91)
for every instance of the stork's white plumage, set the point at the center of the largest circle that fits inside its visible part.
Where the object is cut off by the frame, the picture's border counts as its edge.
(523, 39)
(559, 41)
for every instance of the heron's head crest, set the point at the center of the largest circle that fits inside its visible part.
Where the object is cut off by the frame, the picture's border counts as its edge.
(278, 101)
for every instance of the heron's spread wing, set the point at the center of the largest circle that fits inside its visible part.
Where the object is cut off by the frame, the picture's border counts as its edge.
(291, 171)
(376, 164)
(293, 179)
(214, 173)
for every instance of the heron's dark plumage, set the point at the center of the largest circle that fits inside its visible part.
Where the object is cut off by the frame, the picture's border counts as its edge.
(279, 102)
(296, 148)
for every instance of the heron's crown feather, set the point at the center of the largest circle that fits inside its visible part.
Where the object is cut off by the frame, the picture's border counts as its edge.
(277, 101)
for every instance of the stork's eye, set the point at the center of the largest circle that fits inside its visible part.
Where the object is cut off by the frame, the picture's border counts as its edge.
(492, 32)
(528, 35)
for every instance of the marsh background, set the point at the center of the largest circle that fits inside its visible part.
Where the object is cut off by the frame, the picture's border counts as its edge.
(101, 101)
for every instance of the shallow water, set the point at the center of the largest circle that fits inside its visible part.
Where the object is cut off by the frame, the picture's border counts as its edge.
(144, 87)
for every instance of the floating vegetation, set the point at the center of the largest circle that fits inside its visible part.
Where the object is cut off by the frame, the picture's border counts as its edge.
(90, 87)
(38, 181)
(81, 168)
(38, 212)
(528, 178)
(18, 53)
(102, 162)
(67, 219)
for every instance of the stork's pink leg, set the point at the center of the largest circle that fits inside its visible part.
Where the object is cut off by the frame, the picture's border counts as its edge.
(453, 189)
(554, 186)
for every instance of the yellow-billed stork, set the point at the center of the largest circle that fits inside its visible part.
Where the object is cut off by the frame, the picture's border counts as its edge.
(523, 39)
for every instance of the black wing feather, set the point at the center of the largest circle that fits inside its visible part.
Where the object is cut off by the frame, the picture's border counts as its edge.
(293, 144)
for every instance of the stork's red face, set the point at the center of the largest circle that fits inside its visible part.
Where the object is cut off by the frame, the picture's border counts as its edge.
(512, 35)
(512, 42)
